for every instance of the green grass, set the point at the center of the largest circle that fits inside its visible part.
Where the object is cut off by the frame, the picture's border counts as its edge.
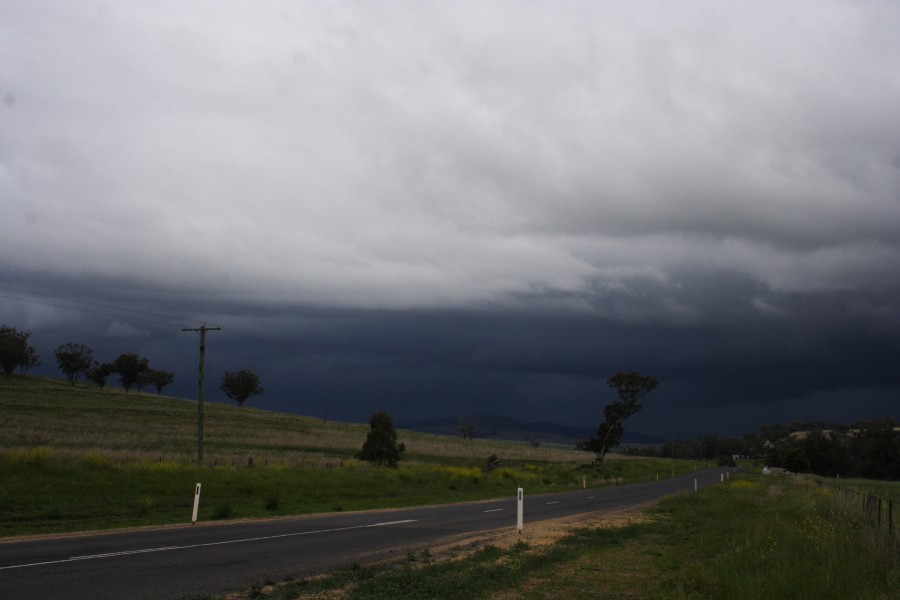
(748, 539)
(887, 490)
(78, 458)
(42, 493)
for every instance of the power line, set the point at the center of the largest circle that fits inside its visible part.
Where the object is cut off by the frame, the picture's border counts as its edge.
(92, 303)
(95, 307)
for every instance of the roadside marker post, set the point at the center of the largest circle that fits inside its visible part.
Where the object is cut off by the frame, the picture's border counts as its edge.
(196, 503)
(695, 485)
(520, 511)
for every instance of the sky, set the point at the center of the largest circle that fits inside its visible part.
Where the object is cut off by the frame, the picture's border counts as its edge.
(449, 208)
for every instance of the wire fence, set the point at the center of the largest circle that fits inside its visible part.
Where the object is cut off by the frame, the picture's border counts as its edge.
(875, 510)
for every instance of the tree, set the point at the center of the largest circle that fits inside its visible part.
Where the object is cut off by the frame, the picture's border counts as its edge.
(381, 445)
(467, 428)
(827, 452)
(14, 349)
(74, 360)
(99, 373)
(32, 359)
(795, 460)
(130, 368)
(241, 385)
(630, 387)
(876, 450)
(157, 379)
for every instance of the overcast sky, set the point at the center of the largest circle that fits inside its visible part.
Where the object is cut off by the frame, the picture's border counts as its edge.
(444, 208)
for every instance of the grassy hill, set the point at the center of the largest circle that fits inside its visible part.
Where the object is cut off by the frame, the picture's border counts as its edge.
(77, 458)
(43, 412)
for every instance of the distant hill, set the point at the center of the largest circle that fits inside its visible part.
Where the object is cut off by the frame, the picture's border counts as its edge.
(499, 427)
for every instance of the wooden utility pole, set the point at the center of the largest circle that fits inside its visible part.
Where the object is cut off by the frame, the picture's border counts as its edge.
(202, 330)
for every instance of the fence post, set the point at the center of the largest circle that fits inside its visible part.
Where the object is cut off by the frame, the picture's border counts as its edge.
(891, 516)
(879, 513)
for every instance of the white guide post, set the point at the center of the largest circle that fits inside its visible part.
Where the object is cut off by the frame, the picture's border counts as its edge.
(695, 485)
(520, 511)
(196, 503)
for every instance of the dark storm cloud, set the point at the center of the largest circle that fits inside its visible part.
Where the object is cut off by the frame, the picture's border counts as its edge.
(554, 366)
(551, 366)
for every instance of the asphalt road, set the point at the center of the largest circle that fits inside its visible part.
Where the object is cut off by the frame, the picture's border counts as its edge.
(172, 562)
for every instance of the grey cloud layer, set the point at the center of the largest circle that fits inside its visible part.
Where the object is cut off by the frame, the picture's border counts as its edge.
(428, 155)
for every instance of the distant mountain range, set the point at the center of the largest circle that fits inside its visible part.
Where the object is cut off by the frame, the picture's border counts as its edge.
(499, 427)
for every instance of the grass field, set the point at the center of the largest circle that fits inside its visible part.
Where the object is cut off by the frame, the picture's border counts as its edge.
(888, 490)
(40, 412)
(78, 458)
(752, 538)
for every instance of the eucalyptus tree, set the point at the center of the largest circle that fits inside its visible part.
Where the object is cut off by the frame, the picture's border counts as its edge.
(74, 360)
(130, 368)
(381, 445)
(241, 385)
(631, 387)
(15, 351)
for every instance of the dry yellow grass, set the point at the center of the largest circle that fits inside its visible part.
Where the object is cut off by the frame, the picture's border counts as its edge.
(140, 426)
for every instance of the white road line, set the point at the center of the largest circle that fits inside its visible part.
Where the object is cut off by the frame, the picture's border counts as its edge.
(591, 497)
(494, 510)
(123, 553)
(391, 523)
(206, 545)
(554, 502)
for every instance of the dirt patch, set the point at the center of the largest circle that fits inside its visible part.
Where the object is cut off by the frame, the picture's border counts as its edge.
(538, 533)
